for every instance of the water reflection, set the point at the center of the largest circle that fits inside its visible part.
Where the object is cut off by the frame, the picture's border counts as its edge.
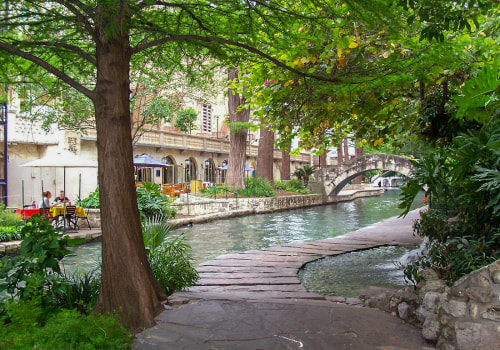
(215, 238)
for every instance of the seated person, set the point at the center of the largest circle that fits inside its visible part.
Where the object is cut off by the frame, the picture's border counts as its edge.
(61, 199)
(45, 201)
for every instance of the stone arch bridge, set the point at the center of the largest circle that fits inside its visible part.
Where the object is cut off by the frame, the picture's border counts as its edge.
(336, 177)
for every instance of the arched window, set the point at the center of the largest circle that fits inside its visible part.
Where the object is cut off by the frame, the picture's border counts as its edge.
(189, 169)
(169, 170)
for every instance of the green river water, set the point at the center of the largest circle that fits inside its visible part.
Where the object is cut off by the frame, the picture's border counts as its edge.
(215, 238)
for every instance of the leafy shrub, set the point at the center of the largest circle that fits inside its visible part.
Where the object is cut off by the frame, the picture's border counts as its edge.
(10, 233)
(33, 274)
(30, 326)
(294, 185)
(172, 265)
(8, 217)
(452, 251)
(34, 290)
(222, 191)
(79, 290)
(256, 187)
(152, 202)
(170, 258)
(155, 231)
(304, 173)
(10, 225)
(92, 201)
(463, 223)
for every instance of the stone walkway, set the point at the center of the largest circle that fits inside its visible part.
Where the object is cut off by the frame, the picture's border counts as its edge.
(254, 300)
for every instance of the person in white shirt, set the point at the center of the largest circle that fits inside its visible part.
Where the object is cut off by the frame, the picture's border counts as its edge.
(45, 201)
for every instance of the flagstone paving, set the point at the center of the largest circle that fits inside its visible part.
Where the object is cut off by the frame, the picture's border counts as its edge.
(254, 300)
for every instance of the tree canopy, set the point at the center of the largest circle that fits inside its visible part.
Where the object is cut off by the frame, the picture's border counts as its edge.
(391, 75)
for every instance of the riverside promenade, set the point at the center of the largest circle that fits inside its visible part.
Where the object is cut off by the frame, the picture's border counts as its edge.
(254, 300)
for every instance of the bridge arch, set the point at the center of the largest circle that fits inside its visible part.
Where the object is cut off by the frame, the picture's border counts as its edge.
(336, 177)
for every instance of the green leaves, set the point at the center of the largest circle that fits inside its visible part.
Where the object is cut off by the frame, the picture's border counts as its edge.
(34, 273)
(479, 97)
(152, 202)
(463, 222)
(490, 183)
(185, 119)
(170, 257)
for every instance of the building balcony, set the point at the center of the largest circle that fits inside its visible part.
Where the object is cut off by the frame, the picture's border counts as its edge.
(202, 144)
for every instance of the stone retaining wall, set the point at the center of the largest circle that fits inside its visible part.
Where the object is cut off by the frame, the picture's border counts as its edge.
(94, 216)
(192, 205)
(464, 316)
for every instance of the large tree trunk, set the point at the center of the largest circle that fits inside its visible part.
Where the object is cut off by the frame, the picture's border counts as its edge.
(340, 157)
(322, 159)
(346, 149)
(285, 165)
(359, 153)
(265, 157)
(128, 286)
(235, 176)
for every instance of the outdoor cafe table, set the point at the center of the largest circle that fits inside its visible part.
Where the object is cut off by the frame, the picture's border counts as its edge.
(59, 210)
(59, 217)
(27, 212)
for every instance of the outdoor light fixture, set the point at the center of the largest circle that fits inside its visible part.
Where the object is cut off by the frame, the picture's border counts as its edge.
(188, 163)
(217, 118)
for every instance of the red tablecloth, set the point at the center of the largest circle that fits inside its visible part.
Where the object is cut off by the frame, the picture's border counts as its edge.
(27, 212)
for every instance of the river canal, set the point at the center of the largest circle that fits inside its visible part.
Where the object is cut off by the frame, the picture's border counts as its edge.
(215, 238)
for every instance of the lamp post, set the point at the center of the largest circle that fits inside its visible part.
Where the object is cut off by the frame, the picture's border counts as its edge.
(3, 122)
(224, 165)
(188, 164)
(217, 118)
(208, 171)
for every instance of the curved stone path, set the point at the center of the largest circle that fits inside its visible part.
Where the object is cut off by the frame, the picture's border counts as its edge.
(254, 300)
(273, 272)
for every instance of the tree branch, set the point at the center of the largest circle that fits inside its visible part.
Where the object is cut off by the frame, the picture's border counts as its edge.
(247, 47)
(81, 18)
(51, 69)
(71, 48)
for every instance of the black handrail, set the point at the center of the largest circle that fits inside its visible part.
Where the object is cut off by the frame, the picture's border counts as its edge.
(227, 191)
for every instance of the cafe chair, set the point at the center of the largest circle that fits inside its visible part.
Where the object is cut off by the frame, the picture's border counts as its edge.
(45, 213)
(71, 217)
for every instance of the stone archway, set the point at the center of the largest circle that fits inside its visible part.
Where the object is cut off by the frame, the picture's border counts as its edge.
(338, 176)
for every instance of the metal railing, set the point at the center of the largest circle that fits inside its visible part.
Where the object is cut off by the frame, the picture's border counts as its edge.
(226, 191)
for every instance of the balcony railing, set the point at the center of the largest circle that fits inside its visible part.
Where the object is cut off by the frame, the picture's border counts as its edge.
(166, 139)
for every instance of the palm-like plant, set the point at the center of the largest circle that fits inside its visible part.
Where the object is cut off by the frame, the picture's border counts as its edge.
(304, 173)
(170, 257)
(155, 231)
